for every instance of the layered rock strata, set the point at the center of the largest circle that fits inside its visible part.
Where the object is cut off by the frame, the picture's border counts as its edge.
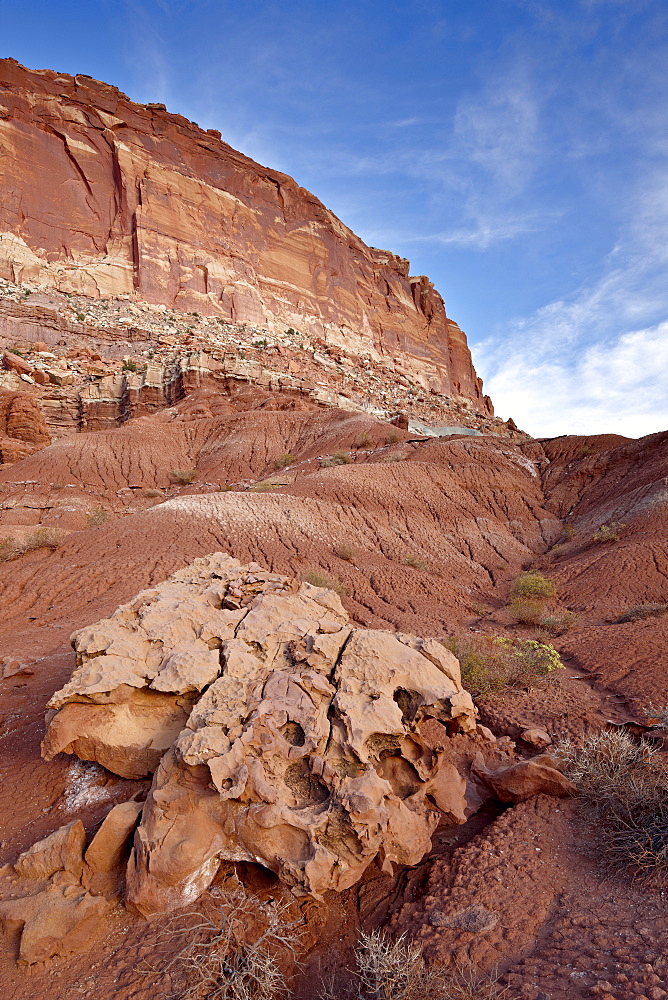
(281, 734)
(105, 197)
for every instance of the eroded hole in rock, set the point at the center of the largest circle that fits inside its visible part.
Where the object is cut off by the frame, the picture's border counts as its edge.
(400, 773)
(293, 734)
(408, 702)
(305, 786)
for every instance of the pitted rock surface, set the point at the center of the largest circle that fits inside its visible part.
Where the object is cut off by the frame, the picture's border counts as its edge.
(300, 742)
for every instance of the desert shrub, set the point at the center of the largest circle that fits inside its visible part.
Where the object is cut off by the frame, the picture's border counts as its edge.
(285, 460)
(391, 438)
(624, 785)
(557, 624)
(130, 366)
(396, 970)
(362, 440)
(318, 578)
(217, 961)
(97, 516)
(151, 494)
(184, 476)
(8, 549)
(265, 486)
(81, 317)
(533, 585)
(569, 532)
(608, 532)
(44, 538)
(529, 595)
(338, 458)
(345, 552)
(640, 611)
(261, 343)
(491, 664)
(411, 560)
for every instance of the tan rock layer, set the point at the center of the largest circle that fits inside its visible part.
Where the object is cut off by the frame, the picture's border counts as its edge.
(143, 203)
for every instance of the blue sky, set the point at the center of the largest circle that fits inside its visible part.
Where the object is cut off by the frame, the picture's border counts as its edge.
(515, 150)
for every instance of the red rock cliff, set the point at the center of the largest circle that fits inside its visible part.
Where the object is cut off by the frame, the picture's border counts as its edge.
(106, 197)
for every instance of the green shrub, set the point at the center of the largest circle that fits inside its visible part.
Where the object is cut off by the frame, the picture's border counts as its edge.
(557, 624)
(130, 366)
(318, 578)
(493, 663)
(608, 532)
(533, 585)
(640, 611)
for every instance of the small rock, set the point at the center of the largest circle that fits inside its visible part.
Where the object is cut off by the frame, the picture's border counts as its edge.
(536, 737)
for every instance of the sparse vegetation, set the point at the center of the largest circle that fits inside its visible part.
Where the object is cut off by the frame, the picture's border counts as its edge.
(217, 961)
(362, 440)
(41, 538)
(96, 516)
(557, 624)
(640, 611)
(81, 317)
(624, 786)
(391, 438)
(318, 578)
(411, 560)
(569, 532)
(608, 532)
(285, 460)
(130, 366)
(529, 596)
(491, 664)
(534, 586)
(396, 970)
(338, 458)
(184, 476)
(264, 486)
(345, 552)
(152, 494)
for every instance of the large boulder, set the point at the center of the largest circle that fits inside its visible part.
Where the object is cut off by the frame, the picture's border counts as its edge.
(309, 747)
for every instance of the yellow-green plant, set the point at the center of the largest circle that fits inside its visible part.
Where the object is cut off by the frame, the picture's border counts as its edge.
(494, 663)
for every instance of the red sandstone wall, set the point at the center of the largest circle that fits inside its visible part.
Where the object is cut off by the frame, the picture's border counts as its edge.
(107, 197)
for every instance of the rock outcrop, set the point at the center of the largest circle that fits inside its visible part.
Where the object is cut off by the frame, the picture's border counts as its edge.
(23, 430)
(297, 740)
(143, 203)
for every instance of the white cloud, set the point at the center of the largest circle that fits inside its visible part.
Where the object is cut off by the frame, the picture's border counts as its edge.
(619, 388)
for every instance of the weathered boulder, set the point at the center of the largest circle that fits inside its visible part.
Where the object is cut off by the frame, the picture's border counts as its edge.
(303, 750)
(57, 921)
(62, 850)
(525, 778)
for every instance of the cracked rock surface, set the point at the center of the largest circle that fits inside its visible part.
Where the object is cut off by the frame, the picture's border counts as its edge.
(293, 739)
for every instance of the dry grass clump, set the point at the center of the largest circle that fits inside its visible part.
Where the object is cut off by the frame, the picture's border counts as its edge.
(608, 532)
(345, 552)
(41, 538)
(640, 611)
(318, 578)
(624, 785)
(285, 460)
(411, 560)
(184, 476)
(338, 458)
(396, 970)
(97, 516)
(236, 953)
(491, 664)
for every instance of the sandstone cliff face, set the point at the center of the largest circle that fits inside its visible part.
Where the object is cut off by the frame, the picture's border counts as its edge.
(104, 197)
